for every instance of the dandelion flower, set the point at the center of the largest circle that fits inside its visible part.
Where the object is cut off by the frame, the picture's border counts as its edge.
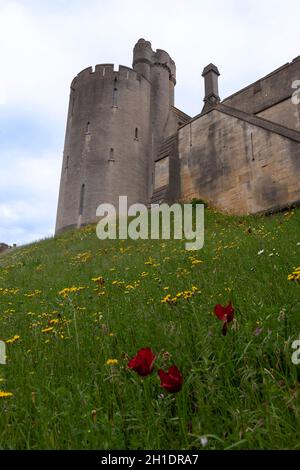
(112, 362)
(5, 394)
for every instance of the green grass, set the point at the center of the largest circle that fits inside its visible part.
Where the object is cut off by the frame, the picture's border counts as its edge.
(240, 391)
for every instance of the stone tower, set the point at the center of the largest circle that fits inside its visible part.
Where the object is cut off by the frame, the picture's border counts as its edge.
(115, 123)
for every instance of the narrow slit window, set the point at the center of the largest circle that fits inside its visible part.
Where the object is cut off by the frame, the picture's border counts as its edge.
(67, 162)
(136, 133)
(115, 97)
(88, 127)
(111, 155)
(81, 203)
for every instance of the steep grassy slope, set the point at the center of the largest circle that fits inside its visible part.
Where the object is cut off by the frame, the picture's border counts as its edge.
(240, 391)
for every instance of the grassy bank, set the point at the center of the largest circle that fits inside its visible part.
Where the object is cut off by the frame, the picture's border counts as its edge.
(240, 390)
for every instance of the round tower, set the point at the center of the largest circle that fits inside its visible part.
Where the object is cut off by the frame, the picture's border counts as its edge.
(162, 96)
(107, 144)
(142, 58)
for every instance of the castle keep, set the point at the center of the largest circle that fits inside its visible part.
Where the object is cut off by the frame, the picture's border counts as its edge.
(124, 136)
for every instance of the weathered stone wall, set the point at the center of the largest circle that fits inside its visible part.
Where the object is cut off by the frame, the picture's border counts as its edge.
(161, 175)
(236, 166)
(286, 113)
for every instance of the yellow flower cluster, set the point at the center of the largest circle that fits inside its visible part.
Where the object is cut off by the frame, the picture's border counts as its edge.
(118, 283)
(13, 339)
(6, 291)
(33, 294)
(82, 257)
(185, 295)
(98, 280)
(195, 261)
(295, 276)
(5, 394)
(112, 362)
(70, 290)
(151, 262)
(48, 330)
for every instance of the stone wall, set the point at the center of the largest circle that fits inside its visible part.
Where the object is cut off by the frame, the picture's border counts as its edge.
(236, 166)
(268, 91)
(286, 113)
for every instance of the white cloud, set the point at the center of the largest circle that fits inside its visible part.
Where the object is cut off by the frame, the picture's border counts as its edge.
(43, 48)
(28, 195)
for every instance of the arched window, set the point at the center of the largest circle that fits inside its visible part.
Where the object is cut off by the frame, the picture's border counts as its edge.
(88, 127)
(81, 202)
(136, 133)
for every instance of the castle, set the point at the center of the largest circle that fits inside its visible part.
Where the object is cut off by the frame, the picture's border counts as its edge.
(124, 136)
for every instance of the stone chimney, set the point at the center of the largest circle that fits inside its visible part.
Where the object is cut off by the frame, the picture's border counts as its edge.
(211, 74)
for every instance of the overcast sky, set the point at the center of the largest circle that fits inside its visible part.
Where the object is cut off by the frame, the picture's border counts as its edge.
(45, 43)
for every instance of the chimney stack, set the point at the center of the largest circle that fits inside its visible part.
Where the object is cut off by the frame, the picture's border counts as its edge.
(211, 74)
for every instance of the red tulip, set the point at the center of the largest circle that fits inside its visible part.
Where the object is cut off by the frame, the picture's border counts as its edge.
(172, 380)
(143, 362)
(225, 314)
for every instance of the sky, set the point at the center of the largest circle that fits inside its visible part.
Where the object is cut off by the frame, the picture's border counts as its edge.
(44, 44)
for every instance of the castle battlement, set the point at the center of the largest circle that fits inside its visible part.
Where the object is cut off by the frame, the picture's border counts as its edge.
(105, 72)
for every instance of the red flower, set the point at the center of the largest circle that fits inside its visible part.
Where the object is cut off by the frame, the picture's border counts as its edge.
(225, 314)
(172, 380)
(143, 362)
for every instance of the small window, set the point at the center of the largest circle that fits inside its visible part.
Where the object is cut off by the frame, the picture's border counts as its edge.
(111, 155)
(88, 127)
(136, 133)
(67, 162)
(81, 202)
(115, 97)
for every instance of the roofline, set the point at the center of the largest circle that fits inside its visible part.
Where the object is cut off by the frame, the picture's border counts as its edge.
(279, 69)
(251, 119)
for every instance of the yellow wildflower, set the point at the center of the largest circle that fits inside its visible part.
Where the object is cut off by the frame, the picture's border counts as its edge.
(196, 261)
(5, 394)
(13, 339)
(47, 330)
(98, 280)
(33, 294)
(69, 290)
(295, 276)
(112, 362)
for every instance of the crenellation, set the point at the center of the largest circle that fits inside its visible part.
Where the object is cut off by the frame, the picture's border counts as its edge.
(127, 73)
(85, 73)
